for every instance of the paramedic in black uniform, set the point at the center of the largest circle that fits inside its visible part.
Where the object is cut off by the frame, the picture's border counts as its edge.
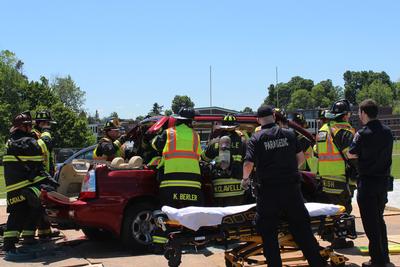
(373, 145)
(277, 154)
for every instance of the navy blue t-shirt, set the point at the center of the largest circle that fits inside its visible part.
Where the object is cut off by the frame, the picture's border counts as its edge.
(273, 151)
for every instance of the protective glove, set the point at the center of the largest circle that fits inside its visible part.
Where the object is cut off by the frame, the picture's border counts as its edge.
(245, 183)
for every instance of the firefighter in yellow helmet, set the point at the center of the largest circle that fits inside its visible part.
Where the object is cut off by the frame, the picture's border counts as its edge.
(227, 150)
(179, 169)
(109, 146)
(336, 171)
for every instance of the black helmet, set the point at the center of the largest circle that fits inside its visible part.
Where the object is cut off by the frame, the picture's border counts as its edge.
(23, 118)
(229, 122)
(300, 119)
(44, 115)
(185, 114)
(340, 107)
(280, 115)
(112, 124)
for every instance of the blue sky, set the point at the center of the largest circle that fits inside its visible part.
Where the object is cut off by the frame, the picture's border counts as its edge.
(127, 55)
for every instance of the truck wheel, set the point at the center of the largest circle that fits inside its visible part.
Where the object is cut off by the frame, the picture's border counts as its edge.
(96, 234)
(138, 226)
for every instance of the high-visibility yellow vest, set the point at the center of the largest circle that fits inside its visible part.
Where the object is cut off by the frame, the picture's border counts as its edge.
(182, 150)
(118, 152)
(331, 165)
(48, 156)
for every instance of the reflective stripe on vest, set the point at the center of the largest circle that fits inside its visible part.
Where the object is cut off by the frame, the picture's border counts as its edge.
(181, 152)
(180, 183)
(159, 239)
(227, 187)
(24, 183)
(11, 234)
(330, 161)
(12, 158)
(154, 161)
(118, 152)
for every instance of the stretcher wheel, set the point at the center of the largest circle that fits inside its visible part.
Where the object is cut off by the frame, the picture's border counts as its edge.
(173, 256)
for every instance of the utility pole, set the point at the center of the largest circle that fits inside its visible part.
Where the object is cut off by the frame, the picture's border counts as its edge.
(276, 87)
(210, 89)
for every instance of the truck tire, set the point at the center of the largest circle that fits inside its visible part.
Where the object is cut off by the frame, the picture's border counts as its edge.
(97, 234)
(138, 226)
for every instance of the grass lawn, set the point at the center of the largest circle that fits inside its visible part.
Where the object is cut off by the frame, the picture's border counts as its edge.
(396, 166)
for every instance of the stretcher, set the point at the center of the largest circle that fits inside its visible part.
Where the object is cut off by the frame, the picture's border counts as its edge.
(201, 226)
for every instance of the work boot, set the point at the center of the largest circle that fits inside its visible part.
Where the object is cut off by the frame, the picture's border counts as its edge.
(29, 240)
(372, 264)
(341, 243)
(49, 235)
(16, 255)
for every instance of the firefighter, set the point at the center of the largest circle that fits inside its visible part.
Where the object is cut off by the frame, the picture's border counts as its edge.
(228, 150)
(42, 134)
(109, 147)
(336, 172)
(305, 143)
(23, 173)
(179, 169)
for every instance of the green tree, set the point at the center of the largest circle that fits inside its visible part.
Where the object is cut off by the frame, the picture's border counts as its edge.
(379, 91)
(69, 93)
(180, 101)
(168, 112)
(319, 96)
(113, 115)
(71, 129)
(355, 81)
(247, 110)
(283, 91)
(156, 110)
(301, 99)
(297, 83)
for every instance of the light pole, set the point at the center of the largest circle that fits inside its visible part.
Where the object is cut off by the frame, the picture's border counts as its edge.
(276, 87)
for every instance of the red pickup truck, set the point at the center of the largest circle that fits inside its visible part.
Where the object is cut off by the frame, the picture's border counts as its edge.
(104, 201)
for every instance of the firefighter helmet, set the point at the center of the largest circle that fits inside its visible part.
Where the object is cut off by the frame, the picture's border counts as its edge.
(280, 115)
(229, 122)
(23, 118)
(112, 124)
(300, 119)
(339, 108)
(185, 114)
(44, 115)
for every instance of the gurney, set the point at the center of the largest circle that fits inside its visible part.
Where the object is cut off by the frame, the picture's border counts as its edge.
(201, 226)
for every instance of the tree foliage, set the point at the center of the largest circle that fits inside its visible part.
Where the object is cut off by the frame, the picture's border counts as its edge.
(69, 93)
(355, 81)
(18, 93)
(379, 91)
(301, 99)
(156, 110)
(247, 110)
(180, 101)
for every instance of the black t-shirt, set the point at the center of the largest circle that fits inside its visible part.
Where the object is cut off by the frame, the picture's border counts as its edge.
(373, 144)
(273, 150)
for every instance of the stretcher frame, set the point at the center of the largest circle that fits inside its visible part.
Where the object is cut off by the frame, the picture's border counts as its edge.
(241, 229)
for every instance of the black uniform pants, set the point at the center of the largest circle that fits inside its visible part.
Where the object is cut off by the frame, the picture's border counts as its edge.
(371, 199)
(285, 200)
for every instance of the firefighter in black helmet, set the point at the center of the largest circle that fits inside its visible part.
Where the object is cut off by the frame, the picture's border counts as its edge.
(109, 147)
(42, 133)
(23, 173)
(228, 150)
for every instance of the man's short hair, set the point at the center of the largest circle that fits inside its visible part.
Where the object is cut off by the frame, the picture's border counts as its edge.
(369, 107)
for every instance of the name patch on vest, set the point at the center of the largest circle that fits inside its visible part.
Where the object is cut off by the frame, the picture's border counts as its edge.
(15, 200)
(321, 136)
(227, 188)
(187, 197)
(278, 143)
